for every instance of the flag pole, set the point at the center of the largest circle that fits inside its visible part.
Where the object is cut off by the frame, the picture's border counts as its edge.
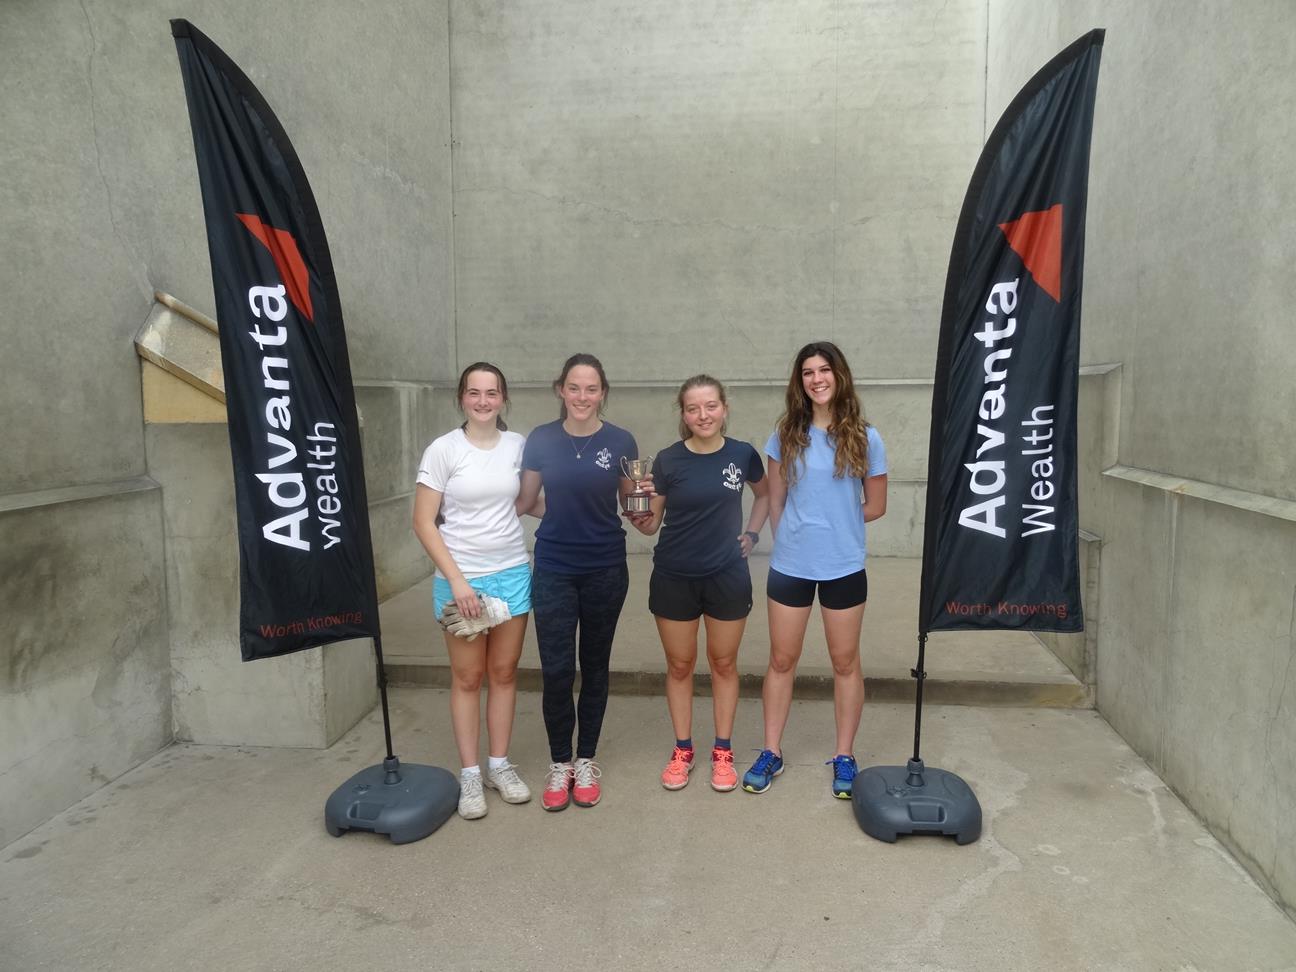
(305, 546)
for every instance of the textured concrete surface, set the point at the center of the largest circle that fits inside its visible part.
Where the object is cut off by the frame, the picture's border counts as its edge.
(705, 187)
(84, 676)
(998, 667)
(211, 858)
(99, 200)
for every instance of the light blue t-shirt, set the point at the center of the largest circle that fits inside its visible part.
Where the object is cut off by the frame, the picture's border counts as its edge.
(821, 533)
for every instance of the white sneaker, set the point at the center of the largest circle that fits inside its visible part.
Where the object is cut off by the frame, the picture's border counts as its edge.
(510, 785)
(472, 800)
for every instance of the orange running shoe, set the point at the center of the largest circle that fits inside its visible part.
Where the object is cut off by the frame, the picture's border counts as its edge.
(675, 775)
(723, 775)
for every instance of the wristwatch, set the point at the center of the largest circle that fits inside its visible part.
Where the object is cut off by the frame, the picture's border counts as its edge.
(753, 536)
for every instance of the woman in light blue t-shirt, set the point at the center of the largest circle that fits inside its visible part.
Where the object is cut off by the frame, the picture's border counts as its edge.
(828, 477)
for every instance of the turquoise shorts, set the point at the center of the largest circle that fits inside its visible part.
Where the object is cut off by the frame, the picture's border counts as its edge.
(511, 585)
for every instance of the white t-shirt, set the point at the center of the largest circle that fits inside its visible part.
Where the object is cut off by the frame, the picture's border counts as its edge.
(479, 487)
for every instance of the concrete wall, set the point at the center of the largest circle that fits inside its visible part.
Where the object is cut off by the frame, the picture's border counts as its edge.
(99, 206)
(85, 690)
(707, 186)
(1190, 247)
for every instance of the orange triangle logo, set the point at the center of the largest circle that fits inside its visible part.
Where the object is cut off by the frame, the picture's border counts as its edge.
(288, 260)
(1037, 238)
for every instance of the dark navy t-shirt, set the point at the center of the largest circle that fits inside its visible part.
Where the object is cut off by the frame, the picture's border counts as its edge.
(581, 530)
(703, 516)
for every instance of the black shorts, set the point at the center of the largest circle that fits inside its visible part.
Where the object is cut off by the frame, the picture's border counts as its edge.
(836, 594)
(725, 595)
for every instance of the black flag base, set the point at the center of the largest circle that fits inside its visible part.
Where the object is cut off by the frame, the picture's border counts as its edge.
(407, 803)
(893, 800)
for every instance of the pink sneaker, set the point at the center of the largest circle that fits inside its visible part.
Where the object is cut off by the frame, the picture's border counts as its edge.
(723, 776)
(558, 785)
(675, 775)
(585, 784)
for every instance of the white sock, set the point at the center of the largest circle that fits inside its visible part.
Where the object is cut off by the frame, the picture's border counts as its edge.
(497, 761)
(470, 771)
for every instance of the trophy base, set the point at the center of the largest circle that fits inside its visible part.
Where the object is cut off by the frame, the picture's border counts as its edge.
(638, 504)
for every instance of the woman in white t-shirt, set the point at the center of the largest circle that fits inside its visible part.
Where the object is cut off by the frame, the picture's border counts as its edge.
(466, 517)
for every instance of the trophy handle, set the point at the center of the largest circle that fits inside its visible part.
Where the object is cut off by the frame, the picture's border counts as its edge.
(625, 470)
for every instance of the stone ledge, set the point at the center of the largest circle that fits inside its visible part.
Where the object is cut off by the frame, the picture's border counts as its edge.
(14, 502)
(1241, 499)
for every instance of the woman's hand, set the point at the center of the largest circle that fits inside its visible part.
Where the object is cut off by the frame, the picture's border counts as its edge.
(746, 543)
(465, 598)
(643, 522)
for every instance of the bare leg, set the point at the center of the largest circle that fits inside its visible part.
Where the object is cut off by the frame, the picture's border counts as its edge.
(787, 637)
(467, 668)
(842, 629)
(503, 649)
(722, 641)
(679, 641)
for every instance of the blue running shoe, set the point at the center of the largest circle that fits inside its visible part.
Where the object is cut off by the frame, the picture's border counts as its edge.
(761, 775)
(844, 770)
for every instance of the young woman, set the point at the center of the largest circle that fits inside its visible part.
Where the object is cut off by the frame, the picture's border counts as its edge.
(580, 579)
(700, 567)
(827, 472)
(465, 515)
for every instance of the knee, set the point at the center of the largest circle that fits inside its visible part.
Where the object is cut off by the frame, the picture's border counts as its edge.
(680, 669)
(469, 680)
(502, 676)
(783, 662)
(847, 665)
(726, 667)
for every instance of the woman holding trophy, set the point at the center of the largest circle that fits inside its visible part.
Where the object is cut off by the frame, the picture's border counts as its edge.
(580, 578)
(700, 573)
(828, 477)
(466, 517)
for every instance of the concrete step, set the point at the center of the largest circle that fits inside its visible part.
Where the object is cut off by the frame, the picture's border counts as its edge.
(963, 668)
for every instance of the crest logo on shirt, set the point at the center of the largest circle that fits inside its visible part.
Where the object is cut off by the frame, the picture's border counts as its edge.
(604, 459)
(733, 478)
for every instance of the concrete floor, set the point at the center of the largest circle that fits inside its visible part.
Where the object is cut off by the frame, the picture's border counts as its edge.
(216, 858)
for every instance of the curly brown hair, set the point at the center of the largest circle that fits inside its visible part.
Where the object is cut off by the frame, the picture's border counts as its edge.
(848, 430)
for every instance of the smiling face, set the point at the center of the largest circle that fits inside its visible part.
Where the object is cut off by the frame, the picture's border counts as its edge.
(818, 381)
(703, 411)
(582, 393)
(482, 398)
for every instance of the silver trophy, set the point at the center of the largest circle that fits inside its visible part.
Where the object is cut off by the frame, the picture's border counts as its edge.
(637, 469)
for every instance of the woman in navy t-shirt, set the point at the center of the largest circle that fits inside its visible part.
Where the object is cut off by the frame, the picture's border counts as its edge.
(580, 578)
(700, 567)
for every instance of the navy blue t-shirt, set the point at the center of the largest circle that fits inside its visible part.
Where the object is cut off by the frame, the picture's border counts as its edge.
(581, 530)
(703, 515)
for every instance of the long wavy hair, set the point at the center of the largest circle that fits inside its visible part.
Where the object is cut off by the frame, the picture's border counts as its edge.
(847, 429)
(700, 381)
(575, 361)
(491, 369)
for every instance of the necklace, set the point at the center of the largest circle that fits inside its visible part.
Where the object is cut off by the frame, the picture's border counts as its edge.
(578, 449)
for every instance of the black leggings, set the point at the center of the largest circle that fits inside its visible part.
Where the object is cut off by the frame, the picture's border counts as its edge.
(561, 603)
